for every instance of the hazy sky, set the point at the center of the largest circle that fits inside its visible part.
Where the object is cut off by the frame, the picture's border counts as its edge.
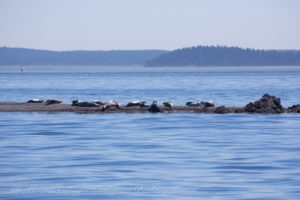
(149, 24)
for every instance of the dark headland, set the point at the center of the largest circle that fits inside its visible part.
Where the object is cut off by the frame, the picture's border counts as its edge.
(225, 56)
(267, 104)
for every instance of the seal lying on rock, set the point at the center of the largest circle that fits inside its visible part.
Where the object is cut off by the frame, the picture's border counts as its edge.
(168, 104)
(110, 104)
(136, 103)
(53, 101)
(74, 102)
(35, 101)
(154, 108)
(266, 104)
(192, 103)
(98, 102)
(209, 103)
(84, 103)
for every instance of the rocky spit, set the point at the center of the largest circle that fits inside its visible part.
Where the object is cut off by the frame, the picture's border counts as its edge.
(267, 104)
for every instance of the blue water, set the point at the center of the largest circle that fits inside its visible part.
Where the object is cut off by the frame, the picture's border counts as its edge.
(150, 156)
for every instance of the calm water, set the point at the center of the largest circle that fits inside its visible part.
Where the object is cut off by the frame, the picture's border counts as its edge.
(150, 156)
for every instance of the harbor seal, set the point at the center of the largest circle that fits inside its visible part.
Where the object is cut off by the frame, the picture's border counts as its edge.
(193, 103)
(98, 102)
(154, 108)
(53, 101)
(168, 104)
(110, 104)
(84, 103)
(35, 101)
(209, 103)
(136, 103)
(74, 102)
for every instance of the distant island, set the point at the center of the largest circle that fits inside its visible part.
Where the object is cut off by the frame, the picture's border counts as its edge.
(225, 56)
(192, 56)
(22, 56)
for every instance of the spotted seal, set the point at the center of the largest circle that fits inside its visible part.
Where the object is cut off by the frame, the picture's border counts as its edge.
(98, 102)
(168, 104)
(209, 103)
(35, 101)
(53, 101)
(110, 104)
(193, 103)
(137, 103)
(84, 103)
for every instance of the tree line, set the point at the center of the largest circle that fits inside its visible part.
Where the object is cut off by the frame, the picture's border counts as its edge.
(226, 56)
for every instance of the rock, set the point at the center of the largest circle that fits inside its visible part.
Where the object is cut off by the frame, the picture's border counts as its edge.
(266, 104)
(86, 104)
(154, 108)
(35, 101)
(222, 110)
(294, 109)
(53, 101)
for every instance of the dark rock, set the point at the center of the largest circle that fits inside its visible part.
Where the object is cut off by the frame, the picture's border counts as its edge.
(294, 109)
(154, 108)
(237, 109)
(222, 110)
(266, 104)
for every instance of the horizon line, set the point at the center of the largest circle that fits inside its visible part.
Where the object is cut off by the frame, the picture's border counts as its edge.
(40, 49)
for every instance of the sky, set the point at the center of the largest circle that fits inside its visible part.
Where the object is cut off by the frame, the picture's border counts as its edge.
(149, 24)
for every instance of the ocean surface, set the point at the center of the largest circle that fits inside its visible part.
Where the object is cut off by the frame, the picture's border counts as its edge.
(150, 156)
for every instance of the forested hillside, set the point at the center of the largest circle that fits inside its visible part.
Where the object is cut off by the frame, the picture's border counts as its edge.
(226, 56)
(20, 56)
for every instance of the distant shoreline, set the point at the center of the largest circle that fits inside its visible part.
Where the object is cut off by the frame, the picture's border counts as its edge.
(186, 57)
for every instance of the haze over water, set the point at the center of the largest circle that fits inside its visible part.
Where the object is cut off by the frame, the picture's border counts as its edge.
(150, 156)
